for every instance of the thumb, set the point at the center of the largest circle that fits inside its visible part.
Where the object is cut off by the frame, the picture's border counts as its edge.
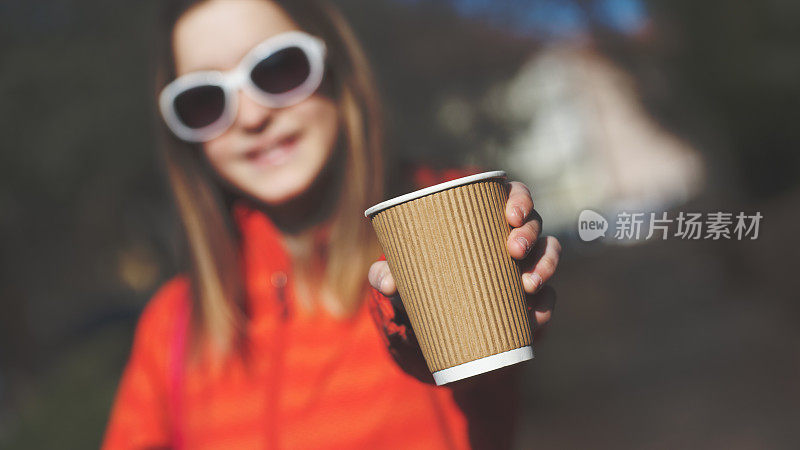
(380, 278)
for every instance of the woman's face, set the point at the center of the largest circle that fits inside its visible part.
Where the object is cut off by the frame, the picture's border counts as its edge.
(270, 154)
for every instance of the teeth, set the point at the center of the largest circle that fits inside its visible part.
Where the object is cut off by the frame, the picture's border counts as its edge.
(273, 155)
(276, 155)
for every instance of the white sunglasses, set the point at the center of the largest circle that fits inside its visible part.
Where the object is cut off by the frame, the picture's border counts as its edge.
(280, 71)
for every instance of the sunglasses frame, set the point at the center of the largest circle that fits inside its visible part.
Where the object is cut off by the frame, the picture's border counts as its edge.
(239, 78)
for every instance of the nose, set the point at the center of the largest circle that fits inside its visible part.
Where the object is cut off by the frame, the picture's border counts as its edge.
(252, 116)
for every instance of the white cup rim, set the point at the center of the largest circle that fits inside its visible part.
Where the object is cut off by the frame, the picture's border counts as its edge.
(433, 189)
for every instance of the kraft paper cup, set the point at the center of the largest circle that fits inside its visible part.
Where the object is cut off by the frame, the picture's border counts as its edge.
(446, 247)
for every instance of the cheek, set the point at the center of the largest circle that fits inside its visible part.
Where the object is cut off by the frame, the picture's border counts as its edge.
(220, 155)
(322, 124)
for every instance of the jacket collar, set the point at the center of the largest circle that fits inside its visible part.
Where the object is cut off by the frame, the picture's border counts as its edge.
(266, 262)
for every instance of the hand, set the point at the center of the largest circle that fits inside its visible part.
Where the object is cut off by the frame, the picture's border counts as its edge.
(538, 256)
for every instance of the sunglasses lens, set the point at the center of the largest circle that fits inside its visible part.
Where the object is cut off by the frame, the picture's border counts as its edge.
(200, 106)
(282, 71)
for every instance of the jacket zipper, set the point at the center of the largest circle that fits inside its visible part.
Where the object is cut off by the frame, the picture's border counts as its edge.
(273, 404)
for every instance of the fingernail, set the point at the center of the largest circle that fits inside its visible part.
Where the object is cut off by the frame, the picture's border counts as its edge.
(380, 281)
(523, 242)
(381, 285)
(536, 279)
(527, 282)
(518, 212)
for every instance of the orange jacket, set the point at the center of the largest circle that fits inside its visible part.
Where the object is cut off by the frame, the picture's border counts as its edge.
(311, 381)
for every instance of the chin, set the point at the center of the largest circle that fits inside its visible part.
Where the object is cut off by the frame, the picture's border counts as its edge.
(280, 194)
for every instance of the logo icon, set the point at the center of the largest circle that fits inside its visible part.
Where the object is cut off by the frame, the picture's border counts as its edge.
(591, 225)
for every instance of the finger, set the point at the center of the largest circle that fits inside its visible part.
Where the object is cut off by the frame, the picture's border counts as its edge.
(380, 278)
(541, 306)
(519, 204)
(541, 264)
(521, 240)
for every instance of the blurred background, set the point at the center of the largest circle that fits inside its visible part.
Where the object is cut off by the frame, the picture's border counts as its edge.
(642, 105)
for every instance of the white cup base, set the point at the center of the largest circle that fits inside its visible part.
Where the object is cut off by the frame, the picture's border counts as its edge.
(483, 365)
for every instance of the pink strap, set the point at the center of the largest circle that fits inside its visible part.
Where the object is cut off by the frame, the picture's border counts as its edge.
(177, 364)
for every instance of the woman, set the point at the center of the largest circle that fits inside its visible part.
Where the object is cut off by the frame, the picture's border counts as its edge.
(269, 340)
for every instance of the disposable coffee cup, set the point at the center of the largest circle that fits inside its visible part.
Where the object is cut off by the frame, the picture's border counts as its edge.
(446, 247)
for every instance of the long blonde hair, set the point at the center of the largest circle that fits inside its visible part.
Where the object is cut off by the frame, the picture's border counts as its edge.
(204, 204)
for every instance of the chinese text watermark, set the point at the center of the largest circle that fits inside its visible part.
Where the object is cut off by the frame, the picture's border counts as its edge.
(633, 226)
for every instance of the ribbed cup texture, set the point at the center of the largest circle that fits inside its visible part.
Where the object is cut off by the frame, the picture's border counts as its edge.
(460, 287)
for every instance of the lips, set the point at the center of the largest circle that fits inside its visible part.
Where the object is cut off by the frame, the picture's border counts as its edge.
(273, 152)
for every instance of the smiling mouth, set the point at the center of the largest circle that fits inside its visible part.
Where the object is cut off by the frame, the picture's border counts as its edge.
(275, 154)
